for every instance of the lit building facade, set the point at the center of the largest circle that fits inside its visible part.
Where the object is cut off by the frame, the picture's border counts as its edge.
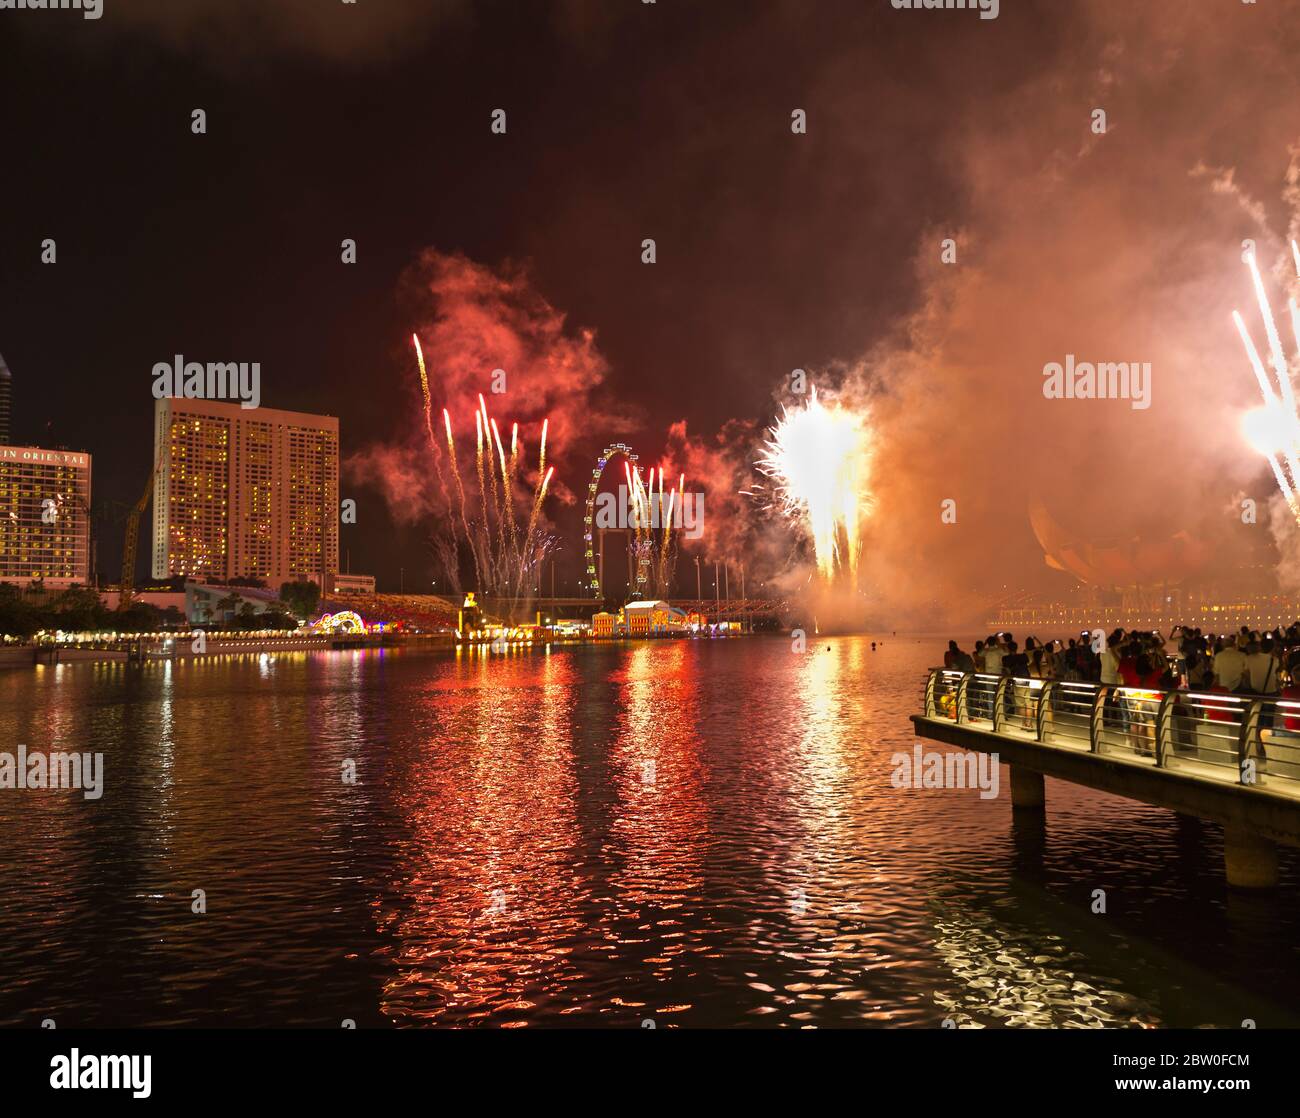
(245, 493)
(646, 619)
(44, 516)
(350, 584)
(606, 624)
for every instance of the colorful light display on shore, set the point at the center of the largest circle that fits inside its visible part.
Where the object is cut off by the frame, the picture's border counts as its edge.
(345, 621)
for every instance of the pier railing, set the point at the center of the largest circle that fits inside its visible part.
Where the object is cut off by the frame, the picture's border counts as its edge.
(1248, 739)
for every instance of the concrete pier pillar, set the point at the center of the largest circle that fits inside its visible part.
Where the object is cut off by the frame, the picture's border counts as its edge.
(1029, 842)
(1027, 788)
(1250, 861)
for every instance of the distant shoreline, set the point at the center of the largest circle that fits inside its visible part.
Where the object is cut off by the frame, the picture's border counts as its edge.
(38, 655)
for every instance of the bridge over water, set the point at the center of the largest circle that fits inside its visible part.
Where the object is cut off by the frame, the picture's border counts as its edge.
(1231, 759)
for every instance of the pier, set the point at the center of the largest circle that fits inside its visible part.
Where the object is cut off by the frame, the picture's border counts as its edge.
(1231, 759)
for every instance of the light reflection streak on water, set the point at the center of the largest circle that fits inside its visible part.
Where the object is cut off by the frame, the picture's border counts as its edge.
(659, 833)
(496, 788)
(1017, 985)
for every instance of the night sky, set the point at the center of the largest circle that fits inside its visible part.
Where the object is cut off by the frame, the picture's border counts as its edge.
(629, 120)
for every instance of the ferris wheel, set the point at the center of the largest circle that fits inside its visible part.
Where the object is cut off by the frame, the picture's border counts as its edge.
(642, 549)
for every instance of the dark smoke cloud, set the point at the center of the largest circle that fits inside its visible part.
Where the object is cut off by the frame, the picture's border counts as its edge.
(720, 468)
(225, 30)
(231, 32)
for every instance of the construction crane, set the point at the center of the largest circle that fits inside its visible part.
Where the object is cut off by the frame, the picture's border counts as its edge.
(84, 505)
(132, 538)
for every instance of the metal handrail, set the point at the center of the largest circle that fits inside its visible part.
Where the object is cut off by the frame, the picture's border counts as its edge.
(1175, 728)
(1000, 704)
(1044, 693)
(1246, 738)
(1163, 729)
(1097, 720)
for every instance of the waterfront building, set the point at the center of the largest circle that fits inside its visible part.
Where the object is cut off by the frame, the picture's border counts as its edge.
(245, 493)
(350, 584)
(206, 604)
(606, 624)
(44, 516)
(657, 618)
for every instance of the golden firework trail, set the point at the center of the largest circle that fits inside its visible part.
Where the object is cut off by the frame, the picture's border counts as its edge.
(444, 547)
(503, 500)
(651, 516)
(484, 495)
(424, 383)
(511, 474)
(506, 553)
(502, 560)
(428, 416)
(537, 508)
(665, 553)
(632, 494)
(460, 490)
(518, 553)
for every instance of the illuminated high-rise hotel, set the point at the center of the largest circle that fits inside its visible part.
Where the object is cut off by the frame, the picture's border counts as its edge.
(44, 508)
(244, 492)
(44, 516)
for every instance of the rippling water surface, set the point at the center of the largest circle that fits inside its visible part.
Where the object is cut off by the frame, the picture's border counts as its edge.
(698, 833)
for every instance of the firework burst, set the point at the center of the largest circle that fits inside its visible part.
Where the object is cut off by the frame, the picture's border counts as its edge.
(1274, 429)
(654, 546)
(499, 525)
(816, 458)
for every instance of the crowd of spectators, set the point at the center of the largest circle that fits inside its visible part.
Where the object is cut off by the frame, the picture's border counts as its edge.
(424, 613)
(1246, 662)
